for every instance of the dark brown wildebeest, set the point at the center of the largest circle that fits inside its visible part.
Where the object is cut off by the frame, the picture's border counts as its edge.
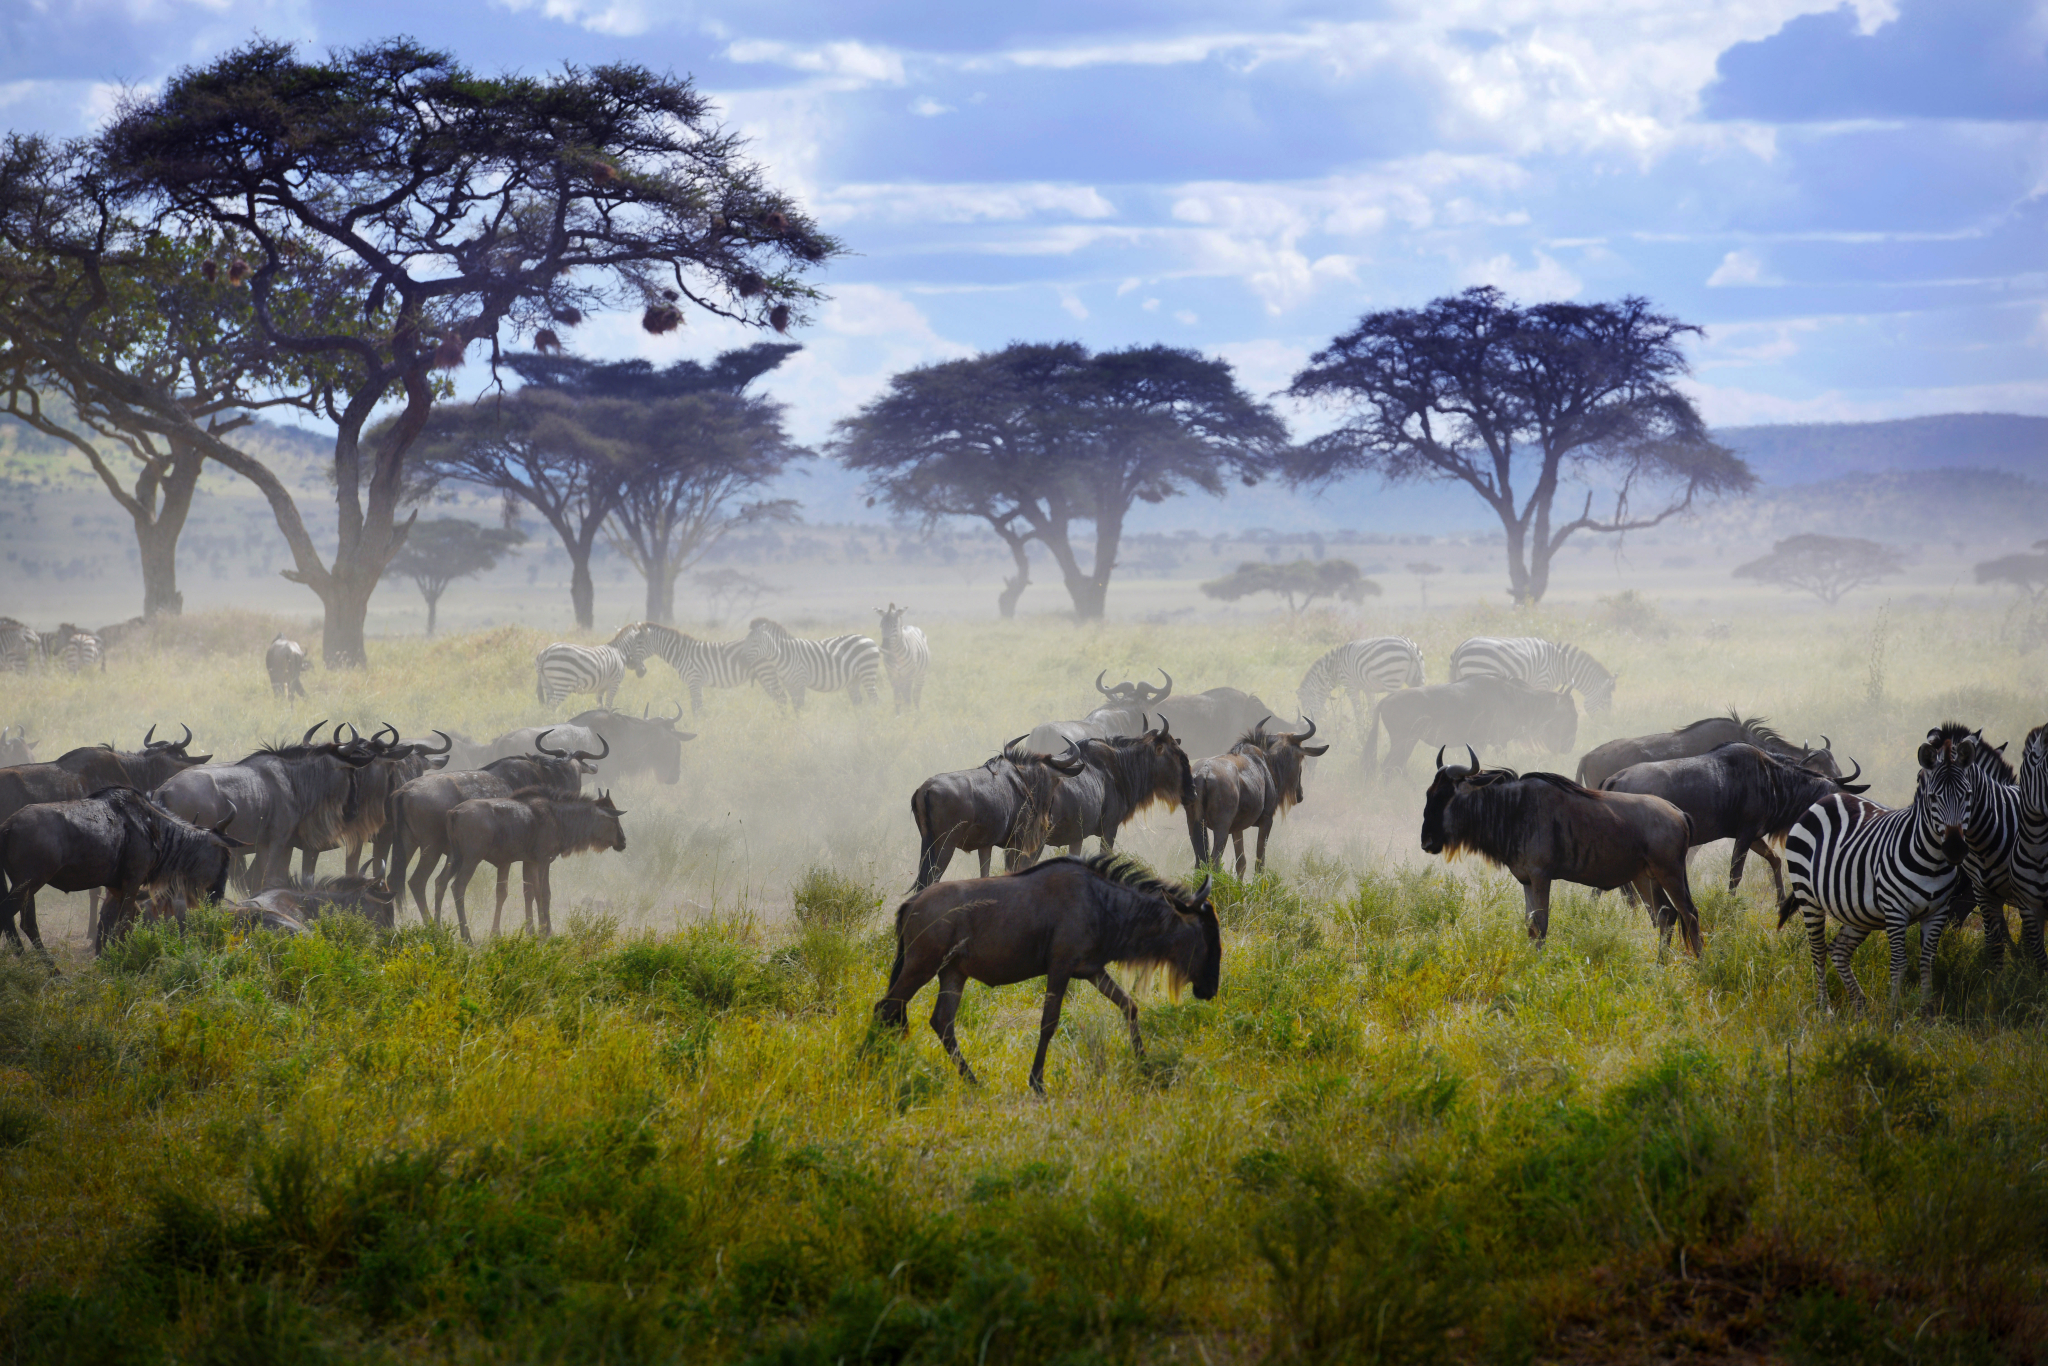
(1709, 733)
(16, 747)
(1736, 792)
(368, 896)
(1123, 714)
(285, 662)
(532, 829)
(1064, 919)
(419, 810)
(1120, 777)
(1258, 781)
(1483, 710)
(144, 769)
(1004, 804)
(283, 796)
(393, 764)
(634, 744)
(1545, 828)
(116, 839)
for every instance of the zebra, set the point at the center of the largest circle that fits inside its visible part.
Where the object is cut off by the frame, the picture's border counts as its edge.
(1378, 664)
(1539, 663)
(853, 663)
(2030, 849)
(1873, 868)
(76, 648)
(705, 663)
(1992, 834)
(905, 656)
(21, 646)
(563, 670)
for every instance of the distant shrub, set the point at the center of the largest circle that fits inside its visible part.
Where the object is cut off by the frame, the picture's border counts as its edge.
(825, 898)
(705, 965)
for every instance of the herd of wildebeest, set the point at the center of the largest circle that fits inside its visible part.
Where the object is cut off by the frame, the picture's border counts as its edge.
(153, 829)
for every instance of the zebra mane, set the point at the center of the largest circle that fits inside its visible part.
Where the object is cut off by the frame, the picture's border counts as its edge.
(769, 626)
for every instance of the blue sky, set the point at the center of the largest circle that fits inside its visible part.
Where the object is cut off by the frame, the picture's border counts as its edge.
(1851, 199)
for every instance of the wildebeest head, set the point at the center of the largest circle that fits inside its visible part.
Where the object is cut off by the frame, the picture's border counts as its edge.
(1067, 763)
(1135, 693)
(1449, 781)
(1942, 790)
(586, 761)
(639, 742)
(15, 746)
(1287, 753)
(1195, 908)
(1150, 767)
(1559, 728)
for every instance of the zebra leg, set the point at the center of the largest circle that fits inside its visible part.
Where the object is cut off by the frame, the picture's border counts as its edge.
(696, 698)
(2030, 938)
(1930, 943)
(1840, 954)
(1106, 984)
(1972, 891)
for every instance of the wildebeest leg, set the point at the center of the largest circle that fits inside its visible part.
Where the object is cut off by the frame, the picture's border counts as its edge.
(498, 911)
(1048, 1025)
(1198, 834)
(1643, 892)
(1761, 847)
(1106, 984)
(92, 913)
(543, 895)
(985, 851)
(18, 902)
(1536, 908)
(1677, 897)
(418, 887)
(952, 981)
(460, 873)
(441, 885)
(309, 862)
(1259, 865)
(1237, 848)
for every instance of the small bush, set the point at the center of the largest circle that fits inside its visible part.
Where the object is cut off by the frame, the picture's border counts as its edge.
(19, 1123)
(1870, 1074)
(830, 900)
(709, 966)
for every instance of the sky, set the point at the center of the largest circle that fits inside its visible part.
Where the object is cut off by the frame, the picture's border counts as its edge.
(1849, 199)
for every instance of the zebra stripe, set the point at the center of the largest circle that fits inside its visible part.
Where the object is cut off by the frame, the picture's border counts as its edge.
(849, 663)
(564, 670)
(906, 657)
(79, 651)
(20, 646)
(1378, 664)
(703, 663)
(2030, 846)
(1992, 833)
(1873, 868)
(1539, 663)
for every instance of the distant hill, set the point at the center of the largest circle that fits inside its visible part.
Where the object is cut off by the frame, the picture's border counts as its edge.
(1992, 511)
(1810, 453)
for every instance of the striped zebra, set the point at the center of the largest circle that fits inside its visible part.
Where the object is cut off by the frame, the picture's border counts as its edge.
(21, 647)
(1378, 664)
(852, 663)
(1873, 868)
(1992, 835)
(905, 657)
(74, 647)
(564, 670)
(1537, 662)
(2030, 848)
(704, 663)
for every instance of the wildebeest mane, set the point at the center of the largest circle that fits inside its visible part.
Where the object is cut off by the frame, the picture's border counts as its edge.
(1755, 730)
(1131, 770)
(1139, 908)
(1493, 808)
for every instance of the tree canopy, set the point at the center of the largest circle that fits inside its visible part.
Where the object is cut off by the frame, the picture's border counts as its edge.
(437, 553)
(2028, 573)
(1300, 583)
(1511, 401)
(1825, 566)
(1038, 436)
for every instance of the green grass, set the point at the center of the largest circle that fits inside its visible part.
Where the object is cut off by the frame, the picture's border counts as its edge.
(1398, 1133)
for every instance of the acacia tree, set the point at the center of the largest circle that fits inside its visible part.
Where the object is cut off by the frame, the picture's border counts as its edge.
(1036, 437)
(451, 208)
(1825, 566)
(2028, 573)
(1510, 402)
(437, 553)
(1300, 583)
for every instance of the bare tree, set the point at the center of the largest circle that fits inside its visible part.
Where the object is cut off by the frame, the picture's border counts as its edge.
(1825, 566)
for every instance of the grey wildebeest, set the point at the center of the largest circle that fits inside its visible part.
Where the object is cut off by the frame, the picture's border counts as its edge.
(1602, 762)
(1004, 804)
(419, 810)
(282, 797)
(117, 840)
(285, 662)
(82, 771)
(1120, 777)
(393, 763)
(634, 744)
(532, 829)
(366, 895)
(1062, 920)
(1545, 828)
(1736, 792)
(16, 747)
(1474, 711)
(1124, 713)
(1211, 722)
(1255, 783)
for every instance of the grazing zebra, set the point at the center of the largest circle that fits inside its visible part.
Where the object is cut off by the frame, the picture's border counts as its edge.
(1873, 868)
(1539, 663)
(2030, 849)
(905, 656)
(1378, 664)
(703, 663)
(20, 646)
(565, 670)
(852, 663)
(1992, 835)
(76, 648)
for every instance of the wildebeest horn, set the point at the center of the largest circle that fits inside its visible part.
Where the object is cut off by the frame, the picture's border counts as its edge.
(312, 731)
(1098, 684)
(1161, 694)
(586, 754)
(543, 749)
(1844, 783)
(384, 727)
(145, 739)
(181, 744)
(1165, 731)
(1202, 892)
(446, 744)
(1440, 755)
(679, 713)
(1475, 757)
(1827, 744)
(226, 821)
(1308, 734)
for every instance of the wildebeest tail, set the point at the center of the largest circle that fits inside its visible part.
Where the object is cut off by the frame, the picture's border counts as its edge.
(1785, 911)
(890, 1012)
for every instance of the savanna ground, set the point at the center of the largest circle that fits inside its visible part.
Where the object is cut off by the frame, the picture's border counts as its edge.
(1397, 1133)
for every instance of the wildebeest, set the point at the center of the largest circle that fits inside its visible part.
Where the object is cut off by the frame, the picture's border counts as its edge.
(1210, 722)
(393, 764)
(1474, 711)
(79, 772)
(1124, 713)
(1545, 828)
(1252, 785)
(284, 796)
(532, 829)
(1736, 792)
(367, 895)
(1064, 919)
(1006, 803)
(633, 744)
(285, 662)
(116, 839)
(1602, 762)
(1120, 777)
(419, 810)
(16, 747)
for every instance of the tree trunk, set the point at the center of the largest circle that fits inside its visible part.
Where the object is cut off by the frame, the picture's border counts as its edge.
(582, 593)
(346, 606)
(1109, 538)
(1013, 587)
(661, 592)
(156, 539)
(433, 604)
(1081, 586)
(1518, 572)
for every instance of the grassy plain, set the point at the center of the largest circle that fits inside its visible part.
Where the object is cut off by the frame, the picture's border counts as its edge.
(1398, 1133)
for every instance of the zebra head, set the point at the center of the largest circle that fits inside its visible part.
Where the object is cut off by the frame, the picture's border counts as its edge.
(634, 643)
(1942, 792)
(2033, 781)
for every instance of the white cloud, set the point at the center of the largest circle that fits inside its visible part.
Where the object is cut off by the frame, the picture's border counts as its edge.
(1735, 407)
(1546, 279)
(615, 18)
(1071, 302)
(961, 203)
(1740, 268)
(850, 64)
(1186, 317)
(1150, 305)
(925, 107)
